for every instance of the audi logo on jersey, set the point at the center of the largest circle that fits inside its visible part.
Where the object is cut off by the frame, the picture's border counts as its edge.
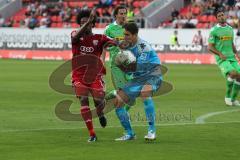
(86, 49)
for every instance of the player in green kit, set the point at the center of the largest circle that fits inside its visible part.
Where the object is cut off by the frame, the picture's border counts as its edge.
(115, 31)
(221, 44)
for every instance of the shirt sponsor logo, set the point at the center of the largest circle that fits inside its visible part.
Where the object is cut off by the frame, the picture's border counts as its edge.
(86, 49)
(225, 38)
(119, 38)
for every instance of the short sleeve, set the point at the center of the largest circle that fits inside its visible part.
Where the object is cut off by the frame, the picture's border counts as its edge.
(106, 32)
(212, 37)
(106, 40)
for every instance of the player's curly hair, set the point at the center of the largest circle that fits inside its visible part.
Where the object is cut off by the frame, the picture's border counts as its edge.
(84, 13)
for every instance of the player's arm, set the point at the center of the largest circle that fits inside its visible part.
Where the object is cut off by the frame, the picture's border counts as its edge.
(212, 48)
(128, 68)
(107, 43)
(80, 32)
(234, 47)
(235, 51)
(103, 56)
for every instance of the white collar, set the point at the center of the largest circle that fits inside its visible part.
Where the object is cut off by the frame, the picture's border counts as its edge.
(218, 25)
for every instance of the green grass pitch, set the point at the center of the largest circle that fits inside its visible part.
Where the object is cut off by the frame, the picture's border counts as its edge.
(30, 130)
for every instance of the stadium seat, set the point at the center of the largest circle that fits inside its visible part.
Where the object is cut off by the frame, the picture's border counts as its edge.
(90, 4)
(205, 25)
(74, 25)
(59, 25)
(184, 11)
(16, 25)
(54, 25)
(203, 18)
(136, 4)
(195, 10)
(211, 18)
(54, 18)
(199, 25)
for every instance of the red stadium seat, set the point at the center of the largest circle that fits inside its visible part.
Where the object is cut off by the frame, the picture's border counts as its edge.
(211, 18)
(73, 19)
(16, 24)
(90, 4)
(199, 25)
(205, 25)
(202, 25)
(196, 10)
(136, 4)
(184, 11)
(203, 18)
(59, 25)
(54, 18)
(75, 25)
(54, 25)
(18, 18)
(74, 4)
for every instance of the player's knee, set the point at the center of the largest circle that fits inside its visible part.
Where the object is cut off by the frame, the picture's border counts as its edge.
(120, 99)
(145, 94)
(233, 74)
(99, 102)
(238, 77)
(117, 102)
(84, 101)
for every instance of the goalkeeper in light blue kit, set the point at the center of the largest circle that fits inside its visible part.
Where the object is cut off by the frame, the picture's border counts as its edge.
(146, 80)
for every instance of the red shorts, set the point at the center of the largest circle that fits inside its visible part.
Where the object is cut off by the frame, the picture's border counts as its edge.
(96, 89)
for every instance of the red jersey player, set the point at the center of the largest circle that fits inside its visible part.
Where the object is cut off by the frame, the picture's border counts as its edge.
(88, 69)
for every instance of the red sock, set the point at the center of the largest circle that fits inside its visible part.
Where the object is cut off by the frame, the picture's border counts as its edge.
(87, 116)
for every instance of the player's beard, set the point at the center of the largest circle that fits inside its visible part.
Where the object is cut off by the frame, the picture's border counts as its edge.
(88, 31)
(123, 21)
(222, 21)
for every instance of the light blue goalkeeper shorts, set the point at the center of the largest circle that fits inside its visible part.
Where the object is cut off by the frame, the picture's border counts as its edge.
(133, 88)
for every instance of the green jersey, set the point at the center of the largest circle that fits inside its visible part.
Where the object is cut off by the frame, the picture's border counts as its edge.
(116, 32)
(222, 37)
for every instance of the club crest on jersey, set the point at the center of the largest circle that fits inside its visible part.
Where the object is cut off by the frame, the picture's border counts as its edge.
(95, 42)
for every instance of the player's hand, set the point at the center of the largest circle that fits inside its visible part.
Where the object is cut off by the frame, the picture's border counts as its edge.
(223, 57)
(128, 68)
(238, 56)
(124, 44)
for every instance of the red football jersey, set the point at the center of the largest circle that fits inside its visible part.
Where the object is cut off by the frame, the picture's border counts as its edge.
(88, 49)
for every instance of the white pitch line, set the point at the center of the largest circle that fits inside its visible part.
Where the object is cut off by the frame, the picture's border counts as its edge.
(201, 119)
(162, 125)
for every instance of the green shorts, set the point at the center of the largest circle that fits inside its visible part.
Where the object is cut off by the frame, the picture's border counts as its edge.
(228, 66)
(119, 78)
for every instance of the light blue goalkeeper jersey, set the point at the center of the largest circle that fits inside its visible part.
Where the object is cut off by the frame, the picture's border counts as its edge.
(147, 60)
